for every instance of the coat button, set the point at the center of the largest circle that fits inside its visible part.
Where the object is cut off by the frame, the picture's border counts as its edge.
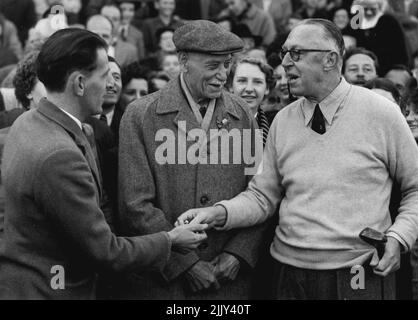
(204, 200)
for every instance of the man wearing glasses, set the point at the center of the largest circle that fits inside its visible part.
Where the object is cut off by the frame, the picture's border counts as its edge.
(330, 160)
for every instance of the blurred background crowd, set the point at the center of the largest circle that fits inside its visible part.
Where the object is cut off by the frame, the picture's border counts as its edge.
(381, 53)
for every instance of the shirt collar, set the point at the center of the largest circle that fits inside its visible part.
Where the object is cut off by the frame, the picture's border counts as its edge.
(72, 117)
(329, 105)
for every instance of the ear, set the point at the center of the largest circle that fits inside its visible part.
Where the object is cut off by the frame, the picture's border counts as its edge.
(29, 96)
(183, 59)
(331, 60)
(78, 82)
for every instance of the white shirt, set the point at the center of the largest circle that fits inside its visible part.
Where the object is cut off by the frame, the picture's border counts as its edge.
(72, 117)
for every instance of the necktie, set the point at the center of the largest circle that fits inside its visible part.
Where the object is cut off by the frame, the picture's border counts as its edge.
(202, 111)
(318, 121)
(263, 124)
(103, 118)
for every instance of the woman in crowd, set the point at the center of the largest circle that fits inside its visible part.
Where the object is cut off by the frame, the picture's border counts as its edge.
(252, 80)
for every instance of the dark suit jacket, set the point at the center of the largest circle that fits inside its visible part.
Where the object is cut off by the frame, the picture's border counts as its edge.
(53, 216)
(125, 53)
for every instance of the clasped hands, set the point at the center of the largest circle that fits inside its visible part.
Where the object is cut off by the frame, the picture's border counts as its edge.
(206, 275)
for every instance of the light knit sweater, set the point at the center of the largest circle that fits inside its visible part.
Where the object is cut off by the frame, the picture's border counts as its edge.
(331, 186)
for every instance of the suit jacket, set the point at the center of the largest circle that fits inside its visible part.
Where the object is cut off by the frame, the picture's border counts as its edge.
(125, 53)
(150, 28)
(279, 10)
(52, 214)
(153, 195)
(135, 37)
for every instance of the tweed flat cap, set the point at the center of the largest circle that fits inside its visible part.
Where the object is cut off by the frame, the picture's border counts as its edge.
(206, 37)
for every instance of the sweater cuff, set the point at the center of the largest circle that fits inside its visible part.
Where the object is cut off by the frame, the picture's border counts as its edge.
(403, 243)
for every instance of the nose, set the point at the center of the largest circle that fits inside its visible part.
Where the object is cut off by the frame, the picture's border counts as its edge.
(110, 82)
(287, 61)
(249, 87)
(137, 95)
(410, 118)
(222, 73)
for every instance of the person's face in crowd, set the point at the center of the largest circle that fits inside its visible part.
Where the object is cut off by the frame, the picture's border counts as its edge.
(248, 44)
(349, 42)
(135, 89)
(400, 79)
(225, 24)
(307, 73)
(165, 7)
(128, 12)
(166, 42)
(236, 6)
(72, 6)
(359, 69)
(282, 89)
(95, 84)
(113, 14)
(102, 27)
(250, 84)
(415, 69)
(159, 83)
(206, 74)
(38, 92)
(171, 65)
(385, 94)
(371, 7)
(258, 54)
(411, 114)
(341, 18)
(113, 88)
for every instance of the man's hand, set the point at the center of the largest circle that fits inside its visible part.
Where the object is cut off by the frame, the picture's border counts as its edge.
(188, 236)
(213, 216)
(201, 277)
(391, 259)
(226, 267)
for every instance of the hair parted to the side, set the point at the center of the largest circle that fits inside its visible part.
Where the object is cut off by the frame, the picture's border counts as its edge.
(64, 52)
(330, 29)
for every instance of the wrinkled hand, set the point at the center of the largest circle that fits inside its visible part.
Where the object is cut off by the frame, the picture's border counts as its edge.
(201, 277)
(213, 216)
(188, 236)
(226, 267)
(391, 260)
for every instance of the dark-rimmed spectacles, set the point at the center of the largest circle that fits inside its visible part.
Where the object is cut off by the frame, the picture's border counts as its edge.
(295, 53)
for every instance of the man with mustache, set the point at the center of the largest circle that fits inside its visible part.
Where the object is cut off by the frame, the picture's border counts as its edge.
(154, 194)
(360, 65)
(330, 160)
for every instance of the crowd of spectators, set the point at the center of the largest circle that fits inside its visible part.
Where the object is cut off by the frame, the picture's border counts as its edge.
(381, 42)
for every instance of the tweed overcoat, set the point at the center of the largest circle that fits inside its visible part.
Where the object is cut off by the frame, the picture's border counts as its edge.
(153, 194)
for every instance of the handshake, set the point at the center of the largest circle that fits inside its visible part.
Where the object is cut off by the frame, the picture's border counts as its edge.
(189, 231)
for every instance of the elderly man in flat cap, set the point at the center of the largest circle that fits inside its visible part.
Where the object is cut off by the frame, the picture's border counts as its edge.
(166, 168)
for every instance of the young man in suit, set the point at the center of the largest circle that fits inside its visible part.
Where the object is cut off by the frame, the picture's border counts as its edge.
(53, 223)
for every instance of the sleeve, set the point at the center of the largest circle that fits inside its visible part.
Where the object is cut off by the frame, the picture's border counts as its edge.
(268, 30)
(403, 167)
(65, 188)
(245, 244)
(264, 192)
(137, 192)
